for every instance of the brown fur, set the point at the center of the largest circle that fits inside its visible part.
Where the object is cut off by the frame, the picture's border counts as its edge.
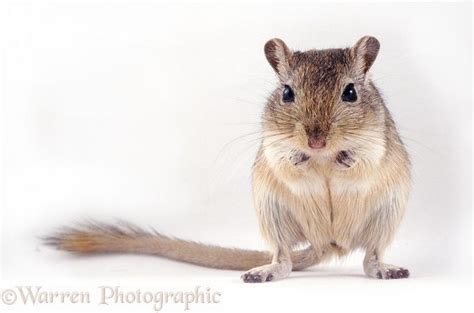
(351, 194)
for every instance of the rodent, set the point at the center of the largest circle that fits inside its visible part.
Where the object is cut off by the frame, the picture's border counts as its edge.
(331, 174)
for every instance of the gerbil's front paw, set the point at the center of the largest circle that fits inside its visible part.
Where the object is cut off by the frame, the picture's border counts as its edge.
(299, 158)
(345, 159)
(386, 271)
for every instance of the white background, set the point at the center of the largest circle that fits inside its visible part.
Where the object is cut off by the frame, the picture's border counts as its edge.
(149, 113)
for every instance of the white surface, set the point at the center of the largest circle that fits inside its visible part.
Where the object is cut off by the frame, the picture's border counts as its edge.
(132, 111)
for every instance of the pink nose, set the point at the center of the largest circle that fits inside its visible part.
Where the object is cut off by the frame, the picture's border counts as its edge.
(316, 143)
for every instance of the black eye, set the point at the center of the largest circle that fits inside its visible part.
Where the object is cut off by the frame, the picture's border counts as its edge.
(288, 94)
(349, 94)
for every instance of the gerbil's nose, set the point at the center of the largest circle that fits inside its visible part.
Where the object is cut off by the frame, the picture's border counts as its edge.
(316, 139)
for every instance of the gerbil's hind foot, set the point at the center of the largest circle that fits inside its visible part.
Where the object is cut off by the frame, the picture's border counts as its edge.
(265, 273)
(386, 271)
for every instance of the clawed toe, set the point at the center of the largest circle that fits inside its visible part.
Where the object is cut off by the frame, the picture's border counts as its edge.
(402, 273)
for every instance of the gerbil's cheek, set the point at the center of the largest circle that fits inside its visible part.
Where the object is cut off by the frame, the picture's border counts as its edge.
(345, 159)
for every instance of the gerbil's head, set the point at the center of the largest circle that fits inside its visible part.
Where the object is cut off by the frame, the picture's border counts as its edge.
(325, 103)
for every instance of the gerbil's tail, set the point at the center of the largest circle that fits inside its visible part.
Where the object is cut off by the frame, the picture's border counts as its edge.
(98, 238)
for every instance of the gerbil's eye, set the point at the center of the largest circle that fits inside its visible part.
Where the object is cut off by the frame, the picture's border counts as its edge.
(349, 94)
(288, 94)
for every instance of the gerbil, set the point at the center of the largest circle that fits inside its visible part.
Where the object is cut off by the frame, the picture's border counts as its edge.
(331, 173)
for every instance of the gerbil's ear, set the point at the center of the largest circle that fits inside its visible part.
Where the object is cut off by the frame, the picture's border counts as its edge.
(279, 57)
(364, 52)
